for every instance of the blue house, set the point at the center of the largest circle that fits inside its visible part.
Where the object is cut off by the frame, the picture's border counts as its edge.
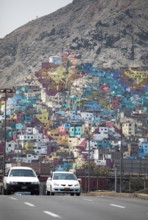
(19, 126)
(75, 129)
(104, 144)
(143, 149)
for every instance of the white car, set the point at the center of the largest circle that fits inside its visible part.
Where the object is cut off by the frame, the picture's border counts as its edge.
(63, 182)
(21, 179)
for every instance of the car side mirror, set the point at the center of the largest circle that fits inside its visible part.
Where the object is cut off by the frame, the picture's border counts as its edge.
(38, 175)
(80, 180)
(49, 178)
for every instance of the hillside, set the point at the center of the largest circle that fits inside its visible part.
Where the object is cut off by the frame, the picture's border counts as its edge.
(108, 33)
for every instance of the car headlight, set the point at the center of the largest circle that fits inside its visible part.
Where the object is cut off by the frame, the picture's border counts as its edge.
(35, 183)
(77, 184)
(55, 184)
(13, 183)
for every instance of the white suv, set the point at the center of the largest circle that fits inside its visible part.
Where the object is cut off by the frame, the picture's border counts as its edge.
(21, 179)
(63, 182)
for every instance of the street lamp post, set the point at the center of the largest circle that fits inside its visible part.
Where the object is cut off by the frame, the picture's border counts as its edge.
(121, 121)
(115, 178)
(88, 138)
(121, 159)
(5, 91)
(89, 163)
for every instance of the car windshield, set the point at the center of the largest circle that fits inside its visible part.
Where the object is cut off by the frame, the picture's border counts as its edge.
(22, 172)
(64, 176)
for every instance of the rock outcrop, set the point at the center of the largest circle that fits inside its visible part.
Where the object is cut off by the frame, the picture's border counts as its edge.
(108, 33)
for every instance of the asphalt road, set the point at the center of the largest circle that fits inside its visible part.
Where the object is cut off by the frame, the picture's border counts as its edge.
(26, 207)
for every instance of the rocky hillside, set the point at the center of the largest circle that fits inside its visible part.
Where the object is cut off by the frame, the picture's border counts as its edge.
(108, 33)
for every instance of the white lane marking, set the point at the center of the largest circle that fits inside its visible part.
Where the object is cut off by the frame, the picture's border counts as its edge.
(13, 198)
(90, 200)
(52, 214)
(118, 206)
(27, 203)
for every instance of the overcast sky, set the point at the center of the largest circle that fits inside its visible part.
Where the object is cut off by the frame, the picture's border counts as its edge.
(15, 13)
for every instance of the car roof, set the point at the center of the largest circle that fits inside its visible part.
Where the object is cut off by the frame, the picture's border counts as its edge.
(62, 172)
(19, 167)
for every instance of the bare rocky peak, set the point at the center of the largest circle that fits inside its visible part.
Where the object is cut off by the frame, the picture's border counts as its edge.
(108, 33)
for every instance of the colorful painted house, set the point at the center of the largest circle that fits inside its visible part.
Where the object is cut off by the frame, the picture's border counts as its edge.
(143, 149)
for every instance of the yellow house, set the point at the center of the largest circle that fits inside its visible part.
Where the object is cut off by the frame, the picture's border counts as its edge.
(28, 145)
(74, 141)
(128, 128)
(43, 117)
(61, 139)
(138, 75)
(54, 134)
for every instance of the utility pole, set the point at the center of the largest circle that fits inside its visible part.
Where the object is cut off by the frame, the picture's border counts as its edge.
(121, 121)
(115, 178)
(89, 162)
(6, 92)
(88, 138)
(121, 157)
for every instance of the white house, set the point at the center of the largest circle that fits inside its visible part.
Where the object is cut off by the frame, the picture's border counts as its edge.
(2, 118)
(40, 148)
(102, 134)
(30, 137)
(29, 130)
(55, 59)
(100, 157)
(26, 158)
(87, 116)
(11, 146)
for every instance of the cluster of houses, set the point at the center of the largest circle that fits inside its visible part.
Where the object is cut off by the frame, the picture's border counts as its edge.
(70, 112)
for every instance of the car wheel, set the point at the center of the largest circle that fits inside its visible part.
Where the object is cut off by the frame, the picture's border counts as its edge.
(7, 192)
(48, 193)
(3, 191)
(51, 193)
(77, 194)
(72, 194)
